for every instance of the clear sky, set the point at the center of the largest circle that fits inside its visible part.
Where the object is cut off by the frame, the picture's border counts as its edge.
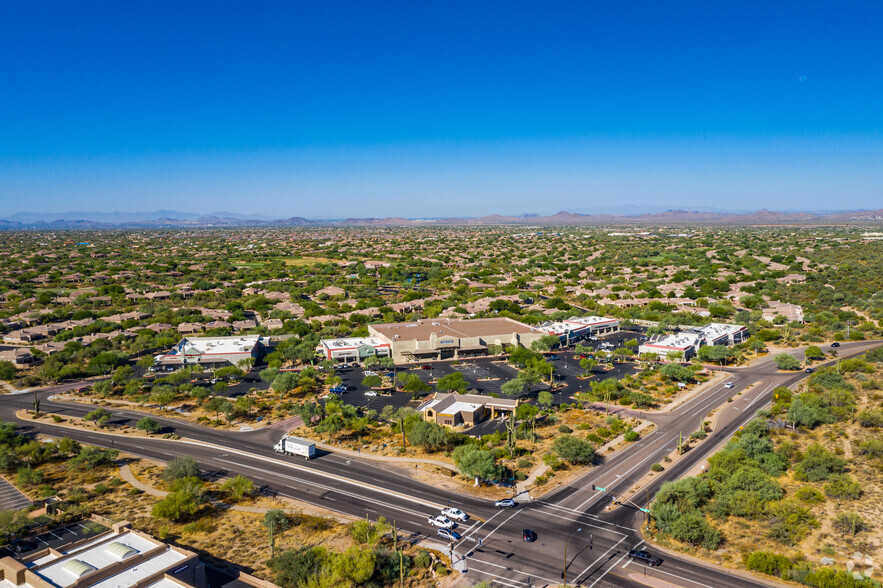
(337, 109)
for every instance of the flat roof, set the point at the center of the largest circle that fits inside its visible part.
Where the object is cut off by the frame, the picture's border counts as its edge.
(352, 342)
(575, 323)
(678, 341)
(215, 345)
(99, 555)
(421, 329)
(716, 330)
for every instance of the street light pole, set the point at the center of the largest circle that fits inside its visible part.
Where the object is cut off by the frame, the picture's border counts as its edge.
(564, 571)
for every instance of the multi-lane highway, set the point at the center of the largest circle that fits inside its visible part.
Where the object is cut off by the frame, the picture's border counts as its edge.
(574, 520)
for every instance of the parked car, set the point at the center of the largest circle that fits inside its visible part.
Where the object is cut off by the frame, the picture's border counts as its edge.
(440, 521)
(528, 536)
(506, 503)
(369, 373)
(644, 557)
(835, 344)
(22, 546)
(371, 393)
(456, 514)
(449, 534)
(426, 367)
(728, 385)
(337, 389)
(552, 357)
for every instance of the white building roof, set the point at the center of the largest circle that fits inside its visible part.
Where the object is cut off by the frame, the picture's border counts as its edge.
(353, 342)
(715, 331)
(67, 569)
(462, 407)
(679, 341)
(215, 345)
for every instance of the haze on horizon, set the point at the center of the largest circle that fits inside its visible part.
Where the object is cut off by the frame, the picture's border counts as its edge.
(331, 110)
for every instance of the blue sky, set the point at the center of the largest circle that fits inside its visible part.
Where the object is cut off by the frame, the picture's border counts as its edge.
(329, 110)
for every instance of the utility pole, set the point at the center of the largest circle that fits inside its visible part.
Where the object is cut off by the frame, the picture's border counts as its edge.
(402, 427)
(395, 535)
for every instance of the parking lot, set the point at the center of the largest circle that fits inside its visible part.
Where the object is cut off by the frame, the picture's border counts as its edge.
(11, 498)
(485, 375)
(55, 538)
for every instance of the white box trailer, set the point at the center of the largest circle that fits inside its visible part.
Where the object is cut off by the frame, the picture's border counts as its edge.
(296, 446)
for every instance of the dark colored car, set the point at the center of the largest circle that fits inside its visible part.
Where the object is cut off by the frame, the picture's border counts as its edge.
(835, 344)
(528, 536)
(644, 557)
(808, 370)
(425, 367)
(22, 546)
(552, 357)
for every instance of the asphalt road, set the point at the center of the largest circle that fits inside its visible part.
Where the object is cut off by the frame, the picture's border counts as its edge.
(574, 518)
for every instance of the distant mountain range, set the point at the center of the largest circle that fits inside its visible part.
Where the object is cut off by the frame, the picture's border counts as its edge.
(170, 218)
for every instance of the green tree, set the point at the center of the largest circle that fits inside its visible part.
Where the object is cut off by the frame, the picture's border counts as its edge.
(100, 416)
(545, 398)
(7, 370)
(91, 458)
(276, 522)
(790, 521)
(148, 425)
(786, 362)
(237, 488)
(454, 382)
(814, 352)
(183, 502)
(163, 396)
(371, 381)
(474, 462)
(427, 435)
(574, 450)
(180, 467)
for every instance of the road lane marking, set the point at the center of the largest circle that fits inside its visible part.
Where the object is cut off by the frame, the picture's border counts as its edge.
(316, 472)
(611, 567)
(531, 576)
(576, 520)
(325, 488)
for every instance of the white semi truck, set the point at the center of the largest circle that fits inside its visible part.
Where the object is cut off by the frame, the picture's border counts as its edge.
(296, 446)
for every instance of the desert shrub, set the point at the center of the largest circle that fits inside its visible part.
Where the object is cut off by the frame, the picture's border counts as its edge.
(765, 562)
(850, 523)
(657, 467)
(90, 458)
(871, 418)
(819, 464)
(843, 487)
(871, 448)
(809, 495)
(790, 521)
(631, 436)
(564, 429)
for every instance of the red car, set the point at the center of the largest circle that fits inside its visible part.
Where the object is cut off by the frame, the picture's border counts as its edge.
(425, 367)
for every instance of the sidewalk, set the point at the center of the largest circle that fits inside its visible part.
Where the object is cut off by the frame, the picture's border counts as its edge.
(385, 458)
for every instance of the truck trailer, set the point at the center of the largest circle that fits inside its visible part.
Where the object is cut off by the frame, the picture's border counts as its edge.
(296, 446)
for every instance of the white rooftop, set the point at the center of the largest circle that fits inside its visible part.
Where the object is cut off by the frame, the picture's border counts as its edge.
(677, 341)
(215, 345)
(462, 407)
(105, 552)
(346, 343)
(575, 323)
(716, 330)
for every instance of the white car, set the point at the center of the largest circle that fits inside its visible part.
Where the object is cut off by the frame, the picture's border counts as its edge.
(370, 393)
(369, 373)
(728, 385)
(456, 514)
(440, 521)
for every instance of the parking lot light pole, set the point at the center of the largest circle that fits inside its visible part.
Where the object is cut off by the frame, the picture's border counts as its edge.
(564, 571)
